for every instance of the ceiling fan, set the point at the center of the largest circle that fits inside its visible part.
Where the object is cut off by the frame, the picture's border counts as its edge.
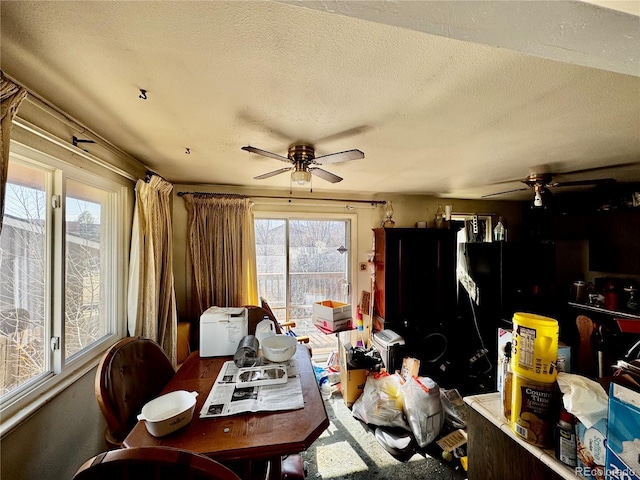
(541, 183)
(303, 159)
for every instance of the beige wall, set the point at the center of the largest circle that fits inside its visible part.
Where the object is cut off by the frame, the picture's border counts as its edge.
(58, 438)
(408, 209)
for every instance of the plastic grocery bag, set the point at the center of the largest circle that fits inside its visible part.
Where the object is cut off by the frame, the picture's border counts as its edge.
(423, 409)
(381, 402)
(455, 410)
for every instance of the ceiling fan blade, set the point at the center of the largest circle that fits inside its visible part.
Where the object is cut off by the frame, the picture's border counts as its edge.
(272, 174)
(323, 174)
(576, 183)
(344, 134)
(339, 157)
(604, 167)
(259, 151)
(507, 191)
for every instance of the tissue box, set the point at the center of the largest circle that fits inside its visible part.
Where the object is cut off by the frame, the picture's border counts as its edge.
(623, 440)
(592, 451)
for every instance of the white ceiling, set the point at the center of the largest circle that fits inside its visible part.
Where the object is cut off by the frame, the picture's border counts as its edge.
(447, 98)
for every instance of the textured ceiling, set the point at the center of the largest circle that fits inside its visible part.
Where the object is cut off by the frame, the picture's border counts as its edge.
(447, 98)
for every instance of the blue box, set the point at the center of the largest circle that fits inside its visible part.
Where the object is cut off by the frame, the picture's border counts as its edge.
(623, 443)
(592, 450)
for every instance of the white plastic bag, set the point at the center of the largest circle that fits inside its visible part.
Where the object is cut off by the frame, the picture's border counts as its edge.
(455, 410)
(381, 402)
(423, 409)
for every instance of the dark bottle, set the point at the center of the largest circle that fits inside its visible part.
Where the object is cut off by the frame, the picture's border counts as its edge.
(566, 439)
(507, 381)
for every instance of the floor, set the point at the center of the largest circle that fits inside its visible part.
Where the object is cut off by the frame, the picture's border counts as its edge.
(348, 450)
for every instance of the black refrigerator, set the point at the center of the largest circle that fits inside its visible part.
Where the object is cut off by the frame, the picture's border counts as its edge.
(496, 279)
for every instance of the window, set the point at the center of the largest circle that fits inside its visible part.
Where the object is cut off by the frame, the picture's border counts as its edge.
(301, 261)
(61, 264)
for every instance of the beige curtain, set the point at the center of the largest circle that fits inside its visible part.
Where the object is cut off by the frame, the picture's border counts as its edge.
(11, 95)
(152, 311)
(221, 244)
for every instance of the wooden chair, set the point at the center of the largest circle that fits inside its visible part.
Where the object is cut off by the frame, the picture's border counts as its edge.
(586, 358)
(153, 463)
(132, 372)
(183, 347)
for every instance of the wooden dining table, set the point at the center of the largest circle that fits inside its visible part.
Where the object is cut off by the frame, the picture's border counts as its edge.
(242, 439)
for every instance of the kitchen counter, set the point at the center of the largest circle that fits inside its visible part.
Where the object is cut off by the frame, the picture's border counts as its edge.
(497, 453)
(605, 311)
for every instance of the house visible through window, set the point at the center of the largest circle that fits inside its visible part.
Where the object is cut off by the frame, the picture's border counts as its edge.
(299, 262)
(61, 261)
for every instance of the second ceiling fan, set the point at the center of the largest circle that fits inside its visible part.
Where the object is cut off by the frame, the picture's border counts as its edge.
(303, 160)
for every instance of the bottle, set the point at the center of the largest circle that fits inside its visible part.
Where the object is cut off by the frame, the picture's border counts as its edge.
(500, 231)
(439, 217)
(507, 381)
(566, 439)
(265, 328)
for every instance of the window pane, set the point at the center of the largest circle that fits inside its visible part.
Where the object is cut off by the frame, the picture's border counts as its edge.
(317, 269)
(86, 320)
(272, 263)
(23, 267)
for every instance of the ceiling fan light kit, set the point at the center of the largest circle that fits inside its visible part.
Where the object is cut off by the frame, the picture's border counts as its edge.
(541, 183)
(300, 177)
(304, 161)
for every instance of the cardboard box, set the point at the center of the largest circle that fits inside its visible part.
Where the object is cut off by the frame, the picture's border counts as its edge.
(351, 380)
(593, 458)
(330, 310)
(623, 438)
(327, 326)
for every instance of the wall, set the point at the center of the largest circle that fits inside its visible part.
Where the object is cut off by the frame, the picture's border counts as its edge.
(58, 438)
(408, 209)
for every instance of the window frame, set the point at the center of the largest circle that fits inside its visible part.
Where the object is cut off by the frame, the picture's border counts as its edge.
(61, 372)
(352, 229)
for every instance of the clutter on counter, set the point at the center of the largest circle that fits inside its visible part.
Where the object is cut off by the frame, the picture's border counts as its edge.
(533, 366)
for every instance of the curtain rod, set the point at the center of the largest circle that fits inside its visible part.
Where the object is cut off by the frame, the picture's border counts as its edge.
(371, 202)
(57, 113)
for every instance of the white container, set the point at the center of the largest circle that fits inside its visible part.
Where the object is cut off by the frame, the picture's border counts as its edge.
(169, 412)
(221, 330)
(279, 348)
(265, 329)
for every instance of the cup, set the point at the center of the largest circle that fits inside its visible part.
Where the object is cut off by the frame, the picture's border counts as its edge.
(579, 291)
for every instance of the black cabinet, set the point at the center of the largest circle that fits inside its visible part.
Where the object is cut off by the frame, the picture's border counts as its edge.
(415, 284)
(614, 241)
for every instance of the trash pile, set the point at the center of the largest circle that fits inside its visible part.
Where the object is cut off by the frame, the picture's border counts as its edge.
(409, 414)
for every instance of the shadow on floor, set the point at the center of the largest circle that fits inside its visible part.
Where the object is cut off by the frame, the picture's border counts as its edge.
(349, 450)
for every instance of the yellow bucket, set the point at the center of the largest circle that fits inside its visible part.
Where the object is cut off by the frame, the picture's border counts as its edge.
(532, 410)
(535, 347)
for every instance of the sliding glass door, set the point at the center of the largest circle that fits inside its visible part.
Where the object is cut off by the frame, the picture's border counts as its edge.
(301, 261)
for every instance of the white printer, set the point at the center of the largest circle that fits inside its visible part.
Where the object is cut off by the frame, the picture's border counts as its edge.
(390, 346)
(221, 329)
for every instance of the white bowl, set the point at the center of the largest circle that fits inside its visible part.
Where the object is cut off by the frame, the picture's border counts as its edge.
(169, 412)
(279, 348)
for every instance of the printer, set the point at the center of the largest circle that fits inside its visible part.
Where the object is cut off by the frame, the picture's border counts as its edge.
(221, 329)
(390, 346)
